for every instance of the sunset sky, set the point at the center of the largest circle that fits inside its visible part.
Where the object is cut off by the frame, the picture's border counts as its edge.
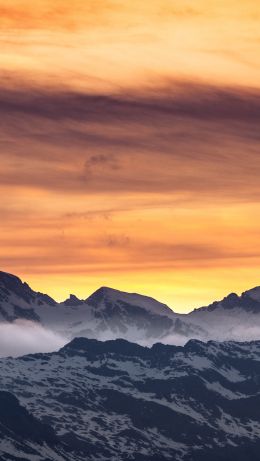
(130, 146)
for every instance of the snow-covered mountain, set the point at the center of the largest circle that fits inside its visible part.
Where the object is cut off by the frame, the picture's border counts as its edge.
(235, 317)
(24, 437)
(106, 314)
(111, 314)
(116, 400)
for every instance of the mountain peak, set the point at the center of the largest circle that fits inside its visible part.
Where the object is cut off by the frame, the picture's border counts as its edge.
(9, 279)
(95, 347)
(254, 293)
(248, 301)
(99, 296)
(73, 301)
(10, 283)
(105, 291)
(113, 296)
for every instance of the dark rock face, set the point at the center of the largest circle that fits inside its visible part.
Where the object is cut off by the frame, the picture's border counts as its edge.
(23, 437)
(11, 284)
(26, 314)
(97, 348)
(116, 400)
(97, 297)
(45, 299)
(18, 300)
(16, 419)
(72, 301)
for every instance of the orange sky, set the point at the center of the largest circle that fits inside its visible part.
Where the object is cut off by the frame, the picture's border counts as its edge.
(130, 146)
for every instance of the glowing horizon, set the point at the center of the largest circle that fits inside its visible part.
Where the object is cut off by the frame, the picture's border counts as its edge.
(130, 147)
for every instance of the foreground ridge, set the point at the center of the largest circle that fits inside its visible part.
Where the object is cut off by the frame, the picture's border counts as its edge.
(117, 400)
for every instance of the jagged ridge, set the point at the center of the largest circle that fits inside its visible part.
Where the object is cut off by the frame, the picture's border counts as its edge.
(116, 400)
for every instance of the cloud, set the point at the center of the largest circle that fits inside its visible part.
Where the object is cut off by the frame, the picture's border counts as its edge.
(237, 329)
(99, 162)
(177, 138)
(240, 334)
(163, 180)
(63, 15)
(102, 136)
(25, 337)
(168, 97)
(57, 14)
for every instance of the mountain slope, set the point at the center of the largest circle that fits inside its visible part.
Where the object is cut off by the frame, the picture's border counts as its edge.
(117, 400)
(234, 317)
(18, 300)
(106, 297)
(111, 314)
(23, 437)
(106, 314)
(248, 301)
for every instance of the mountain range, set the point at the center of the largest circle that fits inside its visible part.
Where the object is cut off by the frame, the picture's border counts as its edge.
(101, 397)
(119, 401)
(110, 314)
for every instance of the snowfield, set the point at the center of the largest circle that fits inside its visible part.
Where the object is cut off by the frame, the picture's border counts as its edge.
(117, 400)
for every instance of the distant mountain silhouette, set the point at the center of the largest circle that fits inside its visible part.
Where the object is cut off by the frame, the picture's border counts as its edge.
(111, 314)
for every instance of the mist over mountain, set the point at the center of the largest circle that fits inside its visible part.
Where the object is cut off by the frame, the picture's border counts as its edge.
(90, 393)
(106, 314)
(40, 324)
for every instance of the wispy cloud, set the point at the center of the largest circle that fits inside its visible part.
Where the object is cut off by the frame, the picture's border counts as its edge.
(29, 338)
(181, 138)
(115, 158)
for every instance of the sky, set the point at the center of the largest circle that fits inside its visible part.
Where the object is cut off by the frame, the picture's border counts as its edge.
(129, 147)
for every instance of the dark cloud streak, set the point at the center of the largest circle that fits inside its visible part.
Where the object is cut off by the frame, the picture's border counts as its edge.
(188, 100)
(197, 140)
